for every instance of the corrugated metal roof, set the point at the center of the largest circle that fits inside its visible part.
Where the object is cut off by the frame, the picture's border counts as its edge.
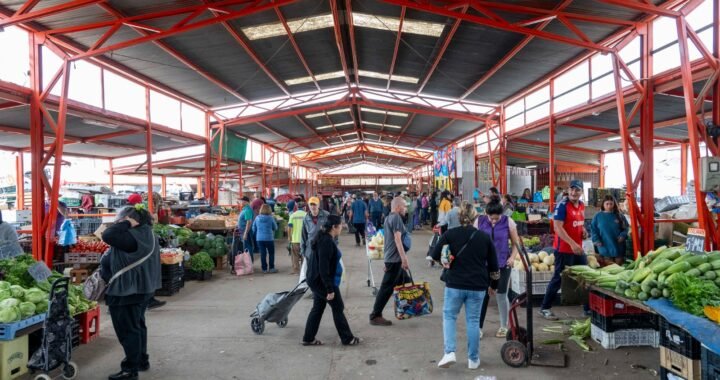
(560, 154)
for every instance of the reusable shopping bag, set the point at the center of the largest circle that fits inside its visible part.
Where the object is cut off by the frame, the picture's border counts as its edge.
(243, 263)
(412, 300)
(67, 234)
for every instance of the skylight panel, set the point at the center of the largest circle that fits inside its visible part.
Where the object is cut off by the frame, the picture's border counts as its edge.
(341, 74)
(383, 112)
(335, 125)
(276, 29)
(424, 28)
(395, 77)
(321, 114)
(382, 125)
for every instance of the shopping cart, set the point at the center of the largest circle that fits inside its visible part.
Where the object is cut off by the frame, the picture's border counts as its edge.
(372, 253)
(275, 307)
(56, 347)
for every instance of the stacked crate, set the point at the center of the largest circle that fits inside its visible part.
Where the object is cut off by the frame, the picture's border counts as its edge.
(617, 324)
(679, 353)
(172, 279)
(709, 364)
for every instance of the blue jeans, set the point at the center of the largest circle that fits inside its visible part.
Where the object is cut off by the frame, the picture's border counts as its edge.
(454, 299)
(267, 248)
(561, 261)
(376, 219)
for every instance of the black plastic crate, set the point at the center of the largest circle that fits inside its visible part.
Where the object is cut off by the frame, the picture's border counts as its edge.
(625, 322)
(710, 365)
(678, 340)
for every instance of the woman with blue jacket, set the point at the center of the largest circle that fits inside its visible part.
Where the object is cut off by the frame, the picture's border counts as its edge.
(609, 231)
(264, 228)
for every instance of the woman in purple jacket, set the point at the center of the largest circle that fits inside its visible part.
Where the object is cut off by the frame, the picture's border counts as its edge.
(501, 229)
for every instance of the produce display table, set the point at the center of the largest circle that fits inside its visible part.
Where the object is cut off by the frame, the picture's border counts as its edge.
(635, 303)
(211, 229)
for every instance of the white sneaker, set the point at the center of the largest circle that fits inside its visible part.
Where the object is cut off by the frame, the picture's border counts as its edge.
(447, 360)
(481, 334)
(473, 364)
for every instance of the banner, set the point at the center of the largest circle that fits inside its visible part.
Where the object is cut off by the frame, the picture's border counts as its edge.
(444, 164)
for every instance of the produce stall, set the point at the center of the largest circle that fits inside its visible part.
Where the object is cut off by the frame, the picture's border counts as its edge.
(669, 299)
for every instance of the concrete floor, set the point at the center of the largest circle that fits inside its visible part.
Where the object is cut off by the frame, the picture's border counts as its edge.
(204, 333)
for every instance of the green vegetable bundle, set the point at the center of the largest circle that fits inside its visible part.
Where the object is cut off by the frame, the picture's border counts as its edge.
(201, 262)
(692, 294)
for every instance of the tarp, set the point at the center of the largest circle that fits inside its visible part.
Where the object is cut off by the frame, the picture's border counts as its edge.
(234, 147)
(704, 330)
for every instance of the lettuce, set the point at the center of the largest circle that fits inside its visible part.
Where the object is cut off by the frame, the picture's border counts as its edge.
(17, 291)
(9, 314)
(4, 285)
(35, 295)
(27, 309)
(9, 302)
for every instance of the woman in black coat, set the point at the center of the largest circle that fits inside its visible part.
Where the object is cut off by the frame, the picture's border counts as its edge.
(323, 278)
(132, 242)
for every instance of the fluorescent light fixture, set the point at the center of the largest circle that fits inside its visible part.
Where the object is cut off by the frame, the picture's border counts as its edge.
(341, 74)
(335, 125)
(382, 125)
(424, 28)
(321, 114)
(276, 29)
(249, 167)
(382, 112)
(531, 167)
(99, 123)
(395, 77)
(348, 134)
(617, 138)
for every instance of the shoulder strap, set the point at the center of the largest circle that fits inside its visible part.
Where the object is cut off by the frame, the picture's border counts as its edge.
(466, 244)
(133, 265)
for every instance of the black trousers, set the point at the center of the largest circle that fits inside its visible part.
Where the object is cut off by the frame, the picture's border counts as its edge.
(338, 307)
(393, 276)
(359, 232)
(129, 324)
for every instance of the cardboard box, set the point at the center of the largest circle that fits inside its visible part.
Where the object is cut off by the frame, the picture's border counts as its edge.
(207, 224)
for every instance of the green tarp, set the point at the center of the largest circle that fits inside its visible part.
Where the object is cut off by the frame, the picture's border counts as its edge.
(234, 147)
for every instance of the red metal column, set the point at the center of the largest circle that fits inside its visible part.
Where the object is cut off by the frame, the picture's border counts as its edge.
(208, 158)
(163, 186)
(551, 148)
(199, 192)
(683, 168)
(36, 149)
(262, 176)
(111, 174)
(148, 151)
(19, 182)
(602, 171)
(240, 182)
(502, 140)
(647, 142)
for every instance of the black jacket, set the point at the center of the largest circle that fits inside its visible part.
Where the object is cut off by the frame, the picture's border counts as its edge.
(472, 267)
(322, 265)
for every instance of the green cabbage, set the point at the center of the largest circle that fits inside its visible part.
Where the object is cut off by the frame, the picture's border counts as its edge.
(9, 314)
(27, 309)
(41, 307)
(35, 295)
(9, 302)
(17, 291)
(4, 285)
(5, 293)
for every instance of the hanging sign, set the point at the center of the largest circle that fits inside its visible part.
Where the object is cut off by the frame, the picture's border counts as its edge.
(695, 240)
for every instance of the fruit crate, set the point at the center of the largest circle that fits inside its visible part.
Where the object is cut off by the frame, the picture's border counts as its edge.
(89, 322)
(83, 257)
(14, 358)
(679, 340)
(625, 322)
(624, 338)
(710, 364)
(679, 365)
(538, 288)
(519, 277)
(608, 306)
(8, 331)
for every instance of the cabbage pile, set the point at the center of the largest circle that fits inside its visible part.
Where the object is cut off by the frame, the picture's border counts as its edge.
(18, 303)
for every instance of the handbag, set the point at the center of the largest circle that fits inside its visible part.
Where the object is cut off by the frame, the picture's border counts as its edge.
(444, 274)
(95, 287)
(412, 299)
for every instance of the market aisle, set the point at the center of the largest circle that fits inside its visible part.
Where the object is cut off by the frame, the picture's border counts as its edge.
(204, 333)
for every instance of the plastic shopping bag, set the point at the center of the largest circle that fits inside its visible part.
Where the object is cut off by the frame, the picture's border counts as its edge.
(412, 300)
(243, 264)
(67, 234)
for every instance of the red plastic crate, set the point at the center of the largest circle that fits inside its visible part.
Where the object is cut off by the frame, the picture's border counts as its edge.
(89, 325)
(608, 306)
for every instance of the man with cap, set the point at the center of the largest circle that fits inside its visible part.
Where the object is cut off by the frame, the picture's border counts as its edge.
(295, 228)
(376, 210)
(244, 224)
(132, 200)
(569, 225)
(312, 223)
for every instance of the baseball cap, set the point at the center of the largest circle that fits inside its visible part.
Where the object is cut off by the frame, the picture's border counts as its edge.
(314, 200)
(134, 199)
(245, 199)
(577, 183)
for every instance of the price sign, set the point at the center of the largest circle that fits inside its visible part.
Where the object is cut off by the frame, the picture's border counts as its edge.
(695, 240)
(39, 271)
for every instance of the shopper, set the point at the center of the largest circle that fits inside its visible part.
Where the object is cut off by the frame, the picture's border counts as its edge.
(470, 272)
(526, 197)
(387, 209)
(311, 225)
(609, 231)
(503, 232)
(323, 278)
(410, 217)
(359, 215)
(453, 216)
(132, 200)
(508, 204)
(433, 204)
(295, 227)
(712, 200)
(264, 228)
(376, 210)
(8, 238)
(256, 203)
(131, 241)
(443, 209)
(292, 203)
(569, 233)
(243, 228)
(560, 193)
(425, 204)
(395, 261)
